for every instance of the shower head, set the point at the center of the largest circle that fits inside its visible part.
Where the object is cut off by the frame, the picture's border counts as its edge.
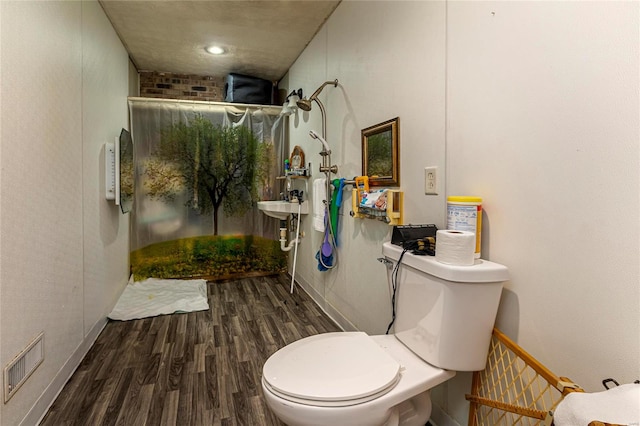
(314, 135)
(305, 104)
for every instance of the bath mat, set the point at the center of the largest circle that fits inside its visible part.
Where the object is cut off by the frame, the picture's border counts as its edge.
(154, 296)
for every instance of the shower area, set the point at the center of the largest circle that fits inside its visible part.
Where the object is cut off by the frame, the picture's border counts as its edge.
(200, 168)
(326, 255)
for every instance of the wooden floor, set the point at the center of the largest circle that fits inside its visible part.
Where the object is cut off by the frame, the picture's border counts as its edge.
(201, 368)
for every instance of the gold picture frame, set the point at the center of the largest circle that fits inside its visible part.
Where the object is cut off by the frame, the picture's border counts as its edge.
(296, 160)
(381, 153)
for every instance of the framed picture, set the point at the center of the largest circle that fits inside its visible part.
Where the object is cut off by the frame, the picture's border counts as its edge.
(297, 158)
(381, 153)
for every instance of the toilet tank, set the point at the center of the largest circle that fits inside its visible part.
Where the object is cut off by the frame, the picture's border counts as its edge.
(445, 313)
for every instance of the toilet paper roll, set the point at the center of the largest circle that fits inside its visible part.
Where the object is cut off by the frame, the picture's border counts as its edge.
(455, 247)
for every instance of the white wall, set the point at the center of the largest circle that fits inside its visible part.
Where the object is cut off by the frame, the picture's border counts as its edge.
(535, 105)
(1, 133)
(364, 46)
(106, 230)
(543, 122)
(64, 247)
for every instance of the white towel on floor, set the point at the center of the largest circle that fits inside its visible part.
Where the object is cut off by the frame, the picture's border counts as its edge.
(620, 405)
(154, 296)
(319, 194)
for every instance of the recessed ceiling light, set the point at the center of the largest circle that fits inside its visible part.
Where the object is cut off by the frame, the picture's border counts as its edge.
(215, 50)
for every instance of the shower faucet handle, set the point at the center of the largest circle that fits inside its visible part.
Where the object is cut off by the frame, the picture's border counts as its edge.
(331, 169)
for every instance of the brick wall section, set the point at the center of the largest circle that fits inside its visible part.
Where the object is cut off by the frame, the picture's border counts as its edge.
(181, 86)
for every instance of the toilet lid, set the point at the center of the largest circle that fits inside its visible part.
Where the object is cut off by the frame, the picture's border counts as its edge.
(344, 367)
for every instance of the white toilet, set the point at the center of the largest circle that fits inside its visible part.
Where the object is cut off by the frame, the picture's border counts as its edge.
(444, 318)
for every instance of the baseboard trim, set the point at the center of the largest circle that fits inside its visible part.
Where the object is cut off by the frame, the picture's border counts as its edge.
(42, 405)
(440, 418)
(322, 303)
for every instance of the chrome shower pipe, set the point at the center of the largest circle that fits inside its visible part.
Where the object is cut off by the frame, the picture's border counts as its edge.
(305, 104)
(319, 89)
(325, 167)
(324, 117)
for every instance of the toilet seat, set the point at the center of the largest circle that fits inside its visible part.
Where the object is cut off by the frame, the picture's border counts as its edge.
(331, 369)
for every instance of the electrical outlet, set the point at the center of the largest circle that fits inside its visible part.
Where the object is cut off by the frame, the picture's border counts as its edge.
(431, 180)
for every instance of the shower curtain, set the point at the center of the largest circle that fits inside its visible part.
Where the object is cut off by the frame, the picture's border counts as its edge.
(172, 239)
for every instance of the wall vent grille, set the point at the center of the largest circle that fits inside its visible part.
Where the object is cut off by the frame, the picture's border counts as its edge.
(19, 370)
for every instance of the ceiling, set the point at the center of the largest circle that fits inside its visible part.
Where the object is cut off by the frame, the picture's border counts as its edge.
(261, 38)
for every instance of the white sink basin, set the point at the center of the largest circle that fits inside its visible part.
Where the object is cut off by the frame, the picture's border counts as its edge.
(282, 209)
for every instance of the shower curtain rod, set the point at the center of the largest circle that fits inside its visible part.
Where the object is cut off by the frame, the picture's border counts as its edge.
(267, 108)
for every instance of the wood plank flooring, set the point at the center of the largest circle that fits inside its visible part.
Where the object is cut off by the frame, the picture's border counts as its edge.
(200, 368)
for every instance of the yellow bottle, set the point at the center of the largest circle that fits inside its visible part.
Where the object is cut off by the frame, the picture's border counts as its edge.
(465, 214)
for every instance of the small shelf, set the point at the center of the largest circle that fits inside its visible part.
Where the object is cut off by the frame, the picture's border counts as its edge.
(303, 173)
(292, 177)
(392, 215)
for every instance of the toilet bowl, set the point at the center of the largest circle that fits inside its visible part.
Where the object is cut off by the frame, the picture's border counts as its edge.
(444, 318)
(356, 379)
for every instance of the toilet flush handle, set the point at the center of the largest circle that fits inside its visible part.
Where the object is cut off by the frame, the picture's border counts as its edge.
(386, 261)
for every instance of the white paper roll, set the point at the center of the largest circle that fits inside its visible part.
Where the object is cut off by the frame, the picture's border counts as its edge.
(455, 247)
